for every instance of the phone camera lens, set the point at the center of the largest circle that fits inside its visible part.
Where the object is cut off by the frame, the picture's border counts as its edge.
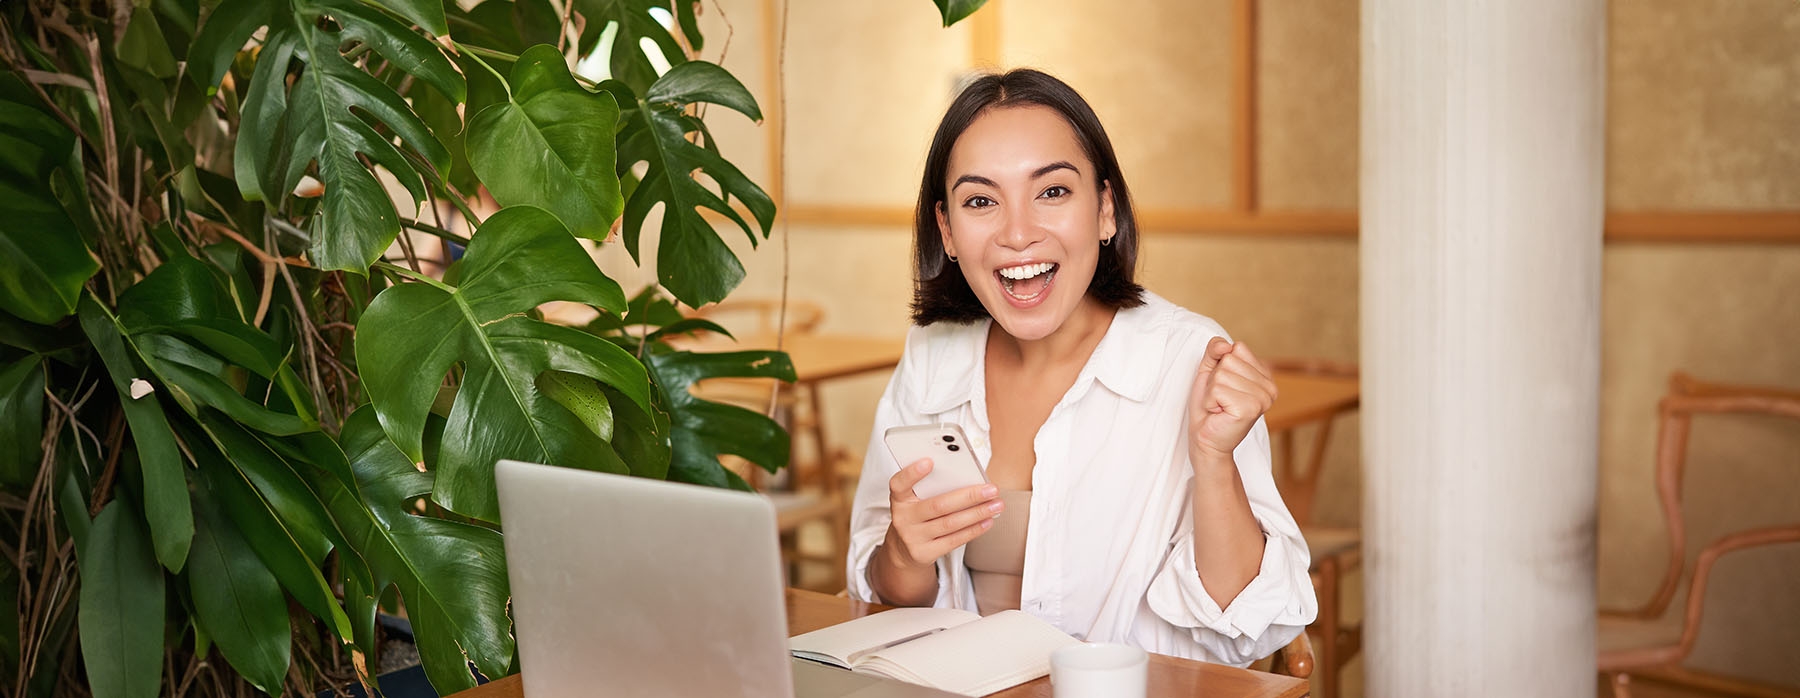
(949, 439)
(954, 447)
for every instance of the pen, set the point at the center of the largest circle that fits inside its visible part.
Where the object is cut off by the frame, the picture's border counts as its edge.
(854, 658)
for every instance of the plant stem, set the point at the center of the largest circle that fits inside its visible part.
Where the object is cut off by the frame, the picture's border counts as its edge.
(476, 52)
(416, 276)
(436, 231)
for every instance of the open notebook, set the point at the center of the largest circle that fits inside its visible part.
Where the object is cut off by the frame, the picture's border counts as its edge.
(944, 648)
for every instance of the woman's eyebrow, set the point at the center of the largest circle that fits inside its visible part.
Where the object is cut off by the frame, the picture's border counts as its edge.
(1052, 167)
(1041, 171)
(973, 179)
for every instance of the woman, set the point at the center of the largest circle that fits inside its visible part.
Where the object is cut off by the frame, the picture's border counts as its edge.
(1130, 496)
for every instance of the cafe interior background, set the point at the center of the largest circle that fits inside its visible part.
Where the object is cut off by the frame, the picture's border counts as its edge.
(1236, 122)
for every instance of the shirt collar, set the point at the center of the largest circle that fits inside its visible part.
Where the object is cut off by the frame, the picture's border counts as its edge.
(1128, 360)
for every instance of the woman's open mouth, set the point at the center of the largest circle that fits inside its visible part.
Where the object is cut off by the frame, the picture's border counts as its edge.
(1026, 283)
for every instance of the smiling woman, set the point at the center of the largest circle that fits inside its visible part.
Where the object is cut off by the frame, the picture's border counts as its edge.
(1122, 435)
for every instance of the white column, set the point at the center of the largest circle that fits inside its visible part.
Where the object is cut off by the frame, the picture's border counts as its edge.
(1482, 207)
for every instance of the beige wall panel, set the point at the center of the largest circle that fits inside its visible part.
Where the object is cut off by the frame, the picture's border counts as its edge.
(1284, 297)
(1307, 110)
(1157, 73)
(1703, 96)
(867, 83)
(1722, 313)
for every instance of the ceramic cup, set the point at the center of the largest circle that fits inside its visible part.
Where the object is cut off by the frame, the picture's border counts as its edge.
(1099, 670)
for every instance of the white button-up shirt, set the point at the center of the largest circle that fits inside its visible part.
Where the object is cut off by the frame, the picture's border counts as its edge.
(1109, 553)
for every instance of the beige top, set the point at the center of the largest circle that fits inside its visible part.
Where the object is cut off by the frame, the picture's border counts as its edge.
(996, 559)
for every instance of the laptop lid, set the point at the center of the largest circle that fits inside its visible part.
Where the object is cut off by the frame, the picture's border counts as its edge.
(624, 586)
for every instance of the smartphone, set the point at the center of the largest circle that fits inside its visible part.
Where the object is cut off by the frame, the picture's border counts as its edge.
(953, 461)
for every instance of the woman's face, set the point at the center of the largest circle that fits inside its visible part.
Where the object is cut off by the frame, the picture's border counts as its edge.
(1024, 216)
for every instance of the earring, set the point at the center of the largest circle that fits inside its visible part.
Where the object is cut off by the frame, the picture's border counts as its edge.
(1105, 241)
(951, 256)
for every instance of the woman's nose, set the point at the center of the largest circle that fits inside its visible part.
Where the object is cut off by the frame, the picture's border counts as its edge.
(1019, 231)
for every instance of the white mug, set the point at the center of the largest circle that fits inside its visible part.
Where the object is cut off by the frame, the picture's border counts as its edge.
(1099, 670)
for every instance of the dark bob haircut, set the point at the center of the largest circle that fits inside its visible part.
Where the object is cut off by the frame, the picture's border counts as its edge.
(940, 293)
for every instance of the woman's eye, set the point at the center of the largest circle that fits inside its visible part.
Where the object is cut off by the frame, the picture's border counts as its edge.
(978, 202)
(1056, 192)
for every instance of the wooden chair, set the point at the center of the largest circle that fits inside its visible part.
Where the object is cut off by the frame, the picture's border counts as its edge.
(1654, 639)
(809, 491)
(1293, 659)
(1336, 552)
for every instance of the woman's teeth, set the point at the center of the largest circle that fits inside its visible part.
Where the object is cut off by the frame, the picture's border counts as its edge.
(1026, 271)
(1023, 282)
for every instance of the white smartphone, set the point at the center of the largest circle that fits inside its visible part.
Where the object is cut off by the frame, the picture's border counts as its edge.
(953, 461)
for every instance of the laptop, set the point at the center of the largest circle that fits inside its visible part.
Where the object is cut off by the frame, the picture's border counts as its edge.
(624, 586)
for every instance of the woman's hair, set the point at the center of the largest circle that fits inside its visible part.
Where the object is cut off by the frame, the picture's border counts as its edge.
(940, 293)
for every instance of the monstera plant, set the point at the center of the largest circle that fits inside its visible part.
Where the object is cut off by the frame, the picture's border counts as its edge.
(239, 416)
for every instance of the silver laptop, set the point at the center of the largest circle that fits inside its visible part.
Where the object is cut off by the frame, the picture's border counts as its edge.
(624, 586)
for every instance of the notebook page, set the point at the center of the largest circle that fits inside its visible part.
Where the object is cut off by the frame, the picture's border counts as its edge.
(835, 644)
(994, 653)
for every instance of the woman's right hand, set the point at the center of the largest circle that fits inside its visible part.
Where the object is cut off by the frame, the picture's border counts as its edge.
(923, 530)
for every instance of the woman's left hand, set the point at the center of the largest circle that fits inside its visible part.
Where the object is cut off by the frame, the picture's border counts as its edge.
(1231, 390)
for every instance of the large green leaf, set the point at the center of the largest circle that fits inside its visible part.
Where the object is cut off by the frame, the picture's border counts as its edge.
(692, 262)
(43, 262)
(955, 11)
(222, 33)
(428, 14)
(356, 220)
(551, 146)
(21, 420)
(182, 304)
(703, 429)
(258, 498)
(414, 333)
(142, 46)
(451, 575)
(628, 62)
(165, 488)
(238, 600)
(121, 614)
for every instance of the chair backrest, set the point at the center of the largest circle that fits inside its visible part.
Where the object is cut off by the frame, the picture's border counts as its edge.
(1297, 475)
(1687, 397)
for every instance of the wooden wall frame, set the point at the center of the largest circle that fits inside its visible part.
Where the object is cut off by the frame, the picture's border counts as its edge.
(1246, 215)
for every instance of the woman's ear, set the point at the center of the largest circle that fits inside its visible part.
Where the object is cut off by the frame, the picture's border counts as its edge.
(1109, 226)
(943, 223)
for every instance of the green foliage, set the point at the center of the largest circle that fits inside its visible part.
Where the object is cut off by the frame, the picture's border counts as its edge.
(550, 146)
(121, 606)
(451, 575)
(955, 11)
(21, 420)
(238, 600)
(413, 334)
(700, 430)
(694, 264)
(279, 424)
(42, 267)
(287, 128)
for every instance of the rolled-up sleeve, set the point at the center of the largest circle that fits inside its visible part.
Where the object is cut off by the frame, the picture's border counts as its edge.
(869, 514)
(1274, 607)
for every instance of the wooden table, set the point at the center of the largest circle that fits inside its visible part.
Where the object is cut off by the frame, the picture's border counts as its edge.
(1169, 677)
(1304, 398)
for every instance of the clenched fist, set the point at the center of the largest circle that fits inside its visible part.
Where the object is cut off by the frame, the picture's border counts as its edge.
(1231, 390)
